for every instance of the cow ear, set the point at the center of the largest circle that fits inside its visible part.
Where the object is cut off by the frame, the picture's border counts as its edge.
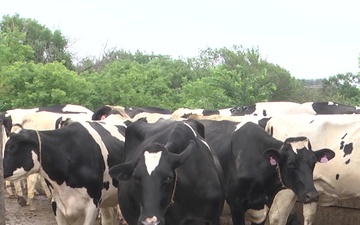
(122, 171)
(273, 156)
(22, 136)
(179, 159)
(58, 123)
(198, 126)
(324, 155)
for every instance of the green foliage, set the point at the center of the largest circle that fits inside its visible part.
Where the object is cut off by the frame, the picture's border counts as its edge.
(31, 85)
(12, 50)
(36, 70)
(48, 46)
(343, 88)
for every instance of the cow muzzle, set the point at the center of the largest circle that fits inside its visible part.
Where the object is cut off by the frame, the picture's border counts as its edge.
(151, 221)
(311, 196)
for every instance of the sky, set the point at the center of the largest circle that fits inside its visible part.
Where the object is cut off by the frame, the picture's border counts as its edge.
(309, 38)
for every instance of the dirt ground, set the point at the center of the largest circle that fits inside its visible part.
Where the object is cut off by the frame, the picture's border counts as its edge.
(18, 215)
(43, 215)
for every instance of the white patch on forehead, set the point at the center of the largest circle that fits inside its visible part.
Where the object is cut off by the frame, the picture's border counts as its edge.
(299, 145)
(191, 129)
(152, 160)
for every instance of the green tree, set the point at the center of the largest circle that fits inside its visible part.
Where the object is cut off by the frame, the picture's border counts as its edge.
(12, 50)
(342, 88)
(32, 85)
(223, 88)
(48, 46)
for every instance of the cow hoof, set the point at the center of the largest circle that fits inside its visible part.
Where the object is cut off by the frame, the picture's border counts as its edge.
(21, 200)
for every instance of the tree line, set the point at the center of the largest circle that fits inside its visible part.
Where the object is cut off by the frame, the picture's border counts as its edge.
(38, 69)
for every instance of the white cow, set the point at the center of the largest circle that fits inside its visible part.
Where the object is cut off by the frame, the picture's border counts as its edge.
(335, 180)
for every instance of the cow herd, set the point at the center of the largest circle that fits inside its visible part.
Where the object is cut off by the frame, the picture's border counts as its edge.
(165, 167)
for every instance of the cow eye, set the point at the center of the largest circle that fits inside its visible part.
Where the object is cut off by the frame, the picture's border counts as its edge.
(168, 179)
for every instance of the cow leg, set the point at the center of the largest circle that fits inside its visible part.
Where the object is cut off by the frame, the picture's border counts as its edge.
(19, 193)
(107, 216)
(31, 183)
(9, 190)
(309, 211)
(59, 216)
(45, 187)
(119, 216)
(91, 213)
(281, 207)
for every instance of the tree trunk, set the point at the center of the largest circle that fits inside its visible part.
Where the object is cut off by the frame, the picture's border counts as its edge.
(2, 191)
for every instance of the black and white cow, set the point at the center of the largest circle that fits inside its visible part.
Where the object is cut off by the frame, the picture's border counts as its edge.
(16, 116)
(133, 111)
(185, 112)
(170, 175)
(336, 180)
(257, 166)
(75, 162)
(42, 118)
(324, 108)
(127, 113)
(268, 109)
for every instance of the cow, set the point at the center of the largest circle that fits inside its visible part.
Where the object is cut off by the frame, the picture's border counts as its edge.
(151, 117)
(37, 118)
(128, 113)
(324, 108)
(45, 120)
(14, 116)
(336, 180)
(75, 162)
(185, 112)
(106, 110)
(170, 175)
(256, 166)
(268, 109)
(133, 111)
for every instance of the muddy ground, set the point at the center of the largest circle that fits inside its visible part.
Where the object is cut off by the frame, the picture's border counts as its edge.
(18, 215)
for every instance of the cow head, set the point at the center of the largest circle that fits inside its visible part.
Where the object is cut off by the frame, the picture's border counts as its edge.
(295, 163)
(155, 179)
(21, 155)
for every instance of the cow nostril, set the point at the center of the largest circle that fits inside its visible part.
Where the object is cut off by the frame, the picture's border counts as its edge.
(312, 196)
(151, 221)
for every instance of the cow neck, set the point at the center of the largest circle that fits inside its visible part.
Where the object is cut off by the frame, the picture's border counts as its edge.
(173, 191)
(279, 175)
(39, 141)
